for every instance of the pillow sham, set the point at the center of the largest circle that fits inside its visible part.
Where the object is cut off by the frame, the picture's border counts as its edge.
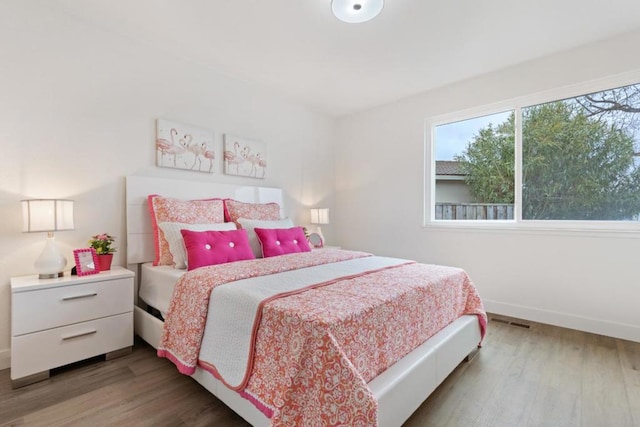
(251, 224)
(164, 209)
(235, 210)
(171, 231)
(215, 247)
(282, 241)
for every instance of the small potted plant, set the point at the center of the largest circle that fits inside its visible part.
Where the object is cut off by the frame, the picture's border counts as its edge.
(102, 243)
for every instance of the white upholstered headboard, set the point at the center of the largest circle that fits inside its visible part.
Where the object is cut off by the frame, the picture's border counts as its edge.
(140, 247)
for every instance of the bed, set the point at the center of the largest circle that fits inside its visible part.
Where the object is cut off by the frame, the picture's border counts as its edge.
(397, 391)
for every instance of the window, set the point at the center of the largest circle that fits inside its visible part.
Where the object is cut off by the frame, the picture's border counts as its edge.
(572, 159)
(474, 168)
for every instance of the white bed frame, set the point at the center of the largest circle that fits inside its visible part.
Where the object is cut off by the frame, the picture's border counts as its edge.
(399, 390)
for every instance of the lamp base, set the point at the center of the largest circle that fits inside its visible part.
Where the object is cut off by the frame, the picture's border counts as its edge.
(51, 275)
(51, 262)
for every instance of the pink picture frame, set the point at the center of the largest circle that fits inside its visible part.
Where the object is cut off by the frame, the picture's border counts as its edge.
(86, 261)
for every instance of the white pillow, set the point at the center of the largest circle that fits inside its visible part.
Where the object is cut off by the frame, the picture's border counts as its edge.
(171, 231)
(250, 224)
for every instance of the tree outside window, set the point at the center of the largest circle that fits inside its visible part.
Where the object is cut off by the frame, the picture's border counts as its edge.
(580, 158)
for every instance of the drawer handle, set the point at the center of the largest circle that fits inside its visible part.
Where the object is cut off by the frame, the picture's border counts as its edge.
(81, 334)
(80, 296)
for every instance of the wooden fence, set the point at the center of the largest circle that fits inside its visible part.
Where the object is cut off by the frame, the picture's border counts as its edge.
(468, 211)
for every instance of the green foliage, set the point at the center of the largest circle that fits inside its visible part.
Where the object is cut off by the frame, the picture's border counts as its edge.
(102, 243)
(574, 166)
(488, 163)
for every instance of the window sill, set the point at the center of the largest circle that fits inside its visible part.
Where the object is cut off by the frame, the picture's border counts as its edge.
(583, 229)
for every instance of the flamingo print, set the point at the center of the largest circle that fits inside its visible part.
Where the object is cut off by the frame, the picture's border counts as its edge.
(233, 158)
(262, 163)
(197, 150)
(211, 155)
(169, 147)
(254, 159)
(187, 144)
(251, 158)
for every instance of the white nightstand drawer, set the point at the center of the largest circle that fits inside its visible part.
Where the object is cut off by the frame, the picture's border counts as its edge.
(48, 349)
(41, 309)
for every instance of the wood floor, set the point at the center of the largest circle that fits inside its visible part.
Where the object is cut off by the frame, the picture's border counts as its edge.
(536, 376)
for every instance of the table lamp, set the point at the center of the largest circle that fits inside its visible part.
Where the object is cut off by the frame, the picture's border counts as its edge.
(48, 215)
(320, 217)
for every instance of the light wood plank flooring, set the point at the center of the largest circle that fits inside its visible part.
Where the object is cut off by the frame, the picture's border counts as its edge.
(536, 376)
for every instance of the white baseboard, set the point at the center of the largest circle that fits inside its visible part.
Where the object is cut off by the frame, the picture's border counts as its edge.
(586, 324)
(571, 321)
(5, 359)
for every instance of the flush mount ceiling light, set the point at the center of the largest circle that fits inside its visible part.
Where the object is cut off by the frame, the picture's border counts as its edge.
(356, 11)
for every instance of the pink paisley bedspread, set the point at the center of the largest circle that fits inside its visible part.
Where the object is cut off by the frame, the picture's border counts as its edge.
(316, 350)
(187, 314)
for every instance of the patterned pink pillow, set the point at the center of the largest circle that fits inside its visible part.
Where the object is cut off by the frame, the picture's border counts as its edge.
(215, 247)
(164, 209)
(263, 211)
(282, 241)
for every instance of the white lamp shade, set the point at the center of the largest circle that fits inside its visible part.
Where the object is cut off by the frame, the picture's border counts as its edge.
(356, 11)
(47, 215)
(320, 216)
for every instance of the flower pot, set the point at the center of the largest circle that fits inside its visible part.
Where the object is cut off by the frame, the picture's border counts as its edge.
(104, 262)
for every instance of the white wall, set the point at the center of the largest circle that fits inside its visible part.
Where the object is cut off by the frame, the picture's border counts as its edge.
(78, 107)
(586, 281)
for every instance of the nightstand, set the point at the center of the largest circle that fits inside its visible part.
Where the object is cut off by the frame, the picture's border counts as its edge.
(59, 321)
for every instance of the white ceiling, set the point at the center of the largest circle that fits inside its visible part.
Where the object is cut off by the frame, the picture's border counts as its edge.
(299, 49)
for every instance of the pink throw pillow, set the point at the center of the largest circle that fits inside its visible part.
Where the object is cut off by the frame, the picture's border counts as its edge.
(234, 210)
(215, 247)
(282, 241)
(164, 209)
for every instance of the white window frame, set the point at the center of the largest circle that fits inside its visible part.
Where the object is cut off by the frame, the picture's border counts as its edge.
(516, 105)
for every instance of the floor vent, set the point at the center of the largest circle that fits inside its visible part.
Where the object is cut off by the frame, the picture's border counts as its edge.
(506, 322)
(520, 325)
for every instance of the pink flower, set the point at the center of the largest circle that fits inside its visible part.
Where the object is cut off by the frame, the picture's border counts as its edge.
(102, 243)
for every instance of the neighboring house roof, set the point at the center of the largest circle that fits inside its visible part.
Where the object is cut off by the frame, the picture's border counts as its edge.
(448, 167)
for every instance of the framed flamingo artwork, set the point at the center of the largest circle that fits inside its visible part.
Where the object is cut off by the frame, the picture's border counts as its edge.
(181, 146)
(244, 157)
